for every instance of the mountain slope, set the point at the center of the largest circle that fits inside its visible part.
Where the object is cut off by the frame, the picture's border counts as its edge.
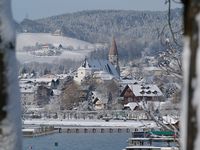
(74, 49)
(134, 30)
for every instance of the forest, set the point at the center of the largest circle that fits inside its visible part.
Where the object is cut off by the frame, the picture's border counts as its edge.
(134, 31)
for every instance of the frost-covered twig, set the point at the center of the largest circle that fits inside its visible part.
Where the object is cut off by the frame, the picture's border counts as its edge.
(169, 24)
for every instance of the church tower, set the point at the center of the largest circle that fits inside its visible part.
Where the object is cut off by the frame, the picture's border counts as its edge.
(113, 55)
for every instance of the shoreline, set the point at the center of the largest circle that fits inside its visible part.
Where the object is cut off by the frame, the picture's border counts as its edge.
(40, 127)
(89, 123)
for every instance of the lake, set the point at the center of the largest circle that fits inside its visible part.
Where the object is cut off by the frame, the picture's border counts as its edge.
(80, 141)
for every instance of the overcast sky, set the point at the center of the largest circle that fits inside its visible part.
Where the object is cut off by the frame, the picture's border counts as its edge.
(34, 9)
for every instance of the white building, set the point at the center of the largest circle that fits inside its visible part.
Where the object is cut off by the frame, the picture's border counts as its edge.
(100, 69)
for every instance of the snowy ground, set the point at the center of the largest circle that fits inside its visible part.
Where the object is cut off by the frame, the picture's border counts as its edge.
(30, 39)
(25, 57)
(89, 123)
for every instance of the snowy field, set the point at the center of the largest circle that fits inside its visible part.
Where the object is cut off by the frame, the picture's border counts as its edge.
(30, 39)
(25, 57)
(80, 50)
(92, 123)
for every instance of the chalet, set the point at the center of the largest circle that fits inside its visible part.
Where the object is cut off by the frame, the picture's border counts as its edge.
(136, 92)
(99, 101)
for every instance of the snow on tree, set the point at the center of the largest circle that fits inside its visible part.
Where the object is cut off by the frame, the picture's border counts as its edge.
(190, 124)
(10, 124)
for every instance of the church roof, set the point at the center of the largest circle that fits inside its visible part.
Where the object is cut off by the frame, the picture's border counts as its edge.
(113, 48)
(100, 65)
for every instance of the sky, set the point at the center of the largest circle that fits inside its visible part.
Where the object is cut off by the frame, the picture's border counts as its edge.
(35, 9)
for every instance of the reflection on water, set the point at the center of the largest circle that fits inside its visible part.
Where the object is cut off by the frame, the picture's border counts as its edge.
(81, 141)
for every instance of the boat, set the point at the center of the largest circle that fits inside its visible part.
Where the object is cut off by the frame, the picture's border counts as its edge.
(153, 140)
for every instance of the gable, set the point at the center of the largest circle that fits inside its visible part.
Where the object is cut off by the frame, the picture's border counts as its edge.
(125, 90)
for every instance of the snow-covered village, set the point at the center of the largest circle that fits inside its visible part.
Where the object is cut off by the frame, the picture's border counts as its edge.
(99, 92)
(99, 75)
(99, 85)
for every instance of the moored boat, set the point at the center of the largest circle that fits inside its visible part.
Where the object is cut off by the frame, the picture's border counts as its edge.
(153, 140)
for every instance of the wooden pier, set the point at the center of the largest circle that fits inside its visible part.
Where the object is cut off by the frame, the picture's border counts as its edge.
(93, 130)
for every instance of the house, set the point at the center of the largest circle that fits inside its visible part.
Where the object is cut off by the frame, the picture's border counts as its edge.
(156, 71)
(37, 92)
(27, 95)
(136, 92)
(99, 100)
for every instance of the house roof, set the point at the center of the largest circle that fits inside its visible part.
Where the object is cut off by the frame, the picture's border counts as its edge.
(103, 75)
(131, 105)
(125, 82)
(100, 65)
(148, 90)
(152, 68)
(169, 119)
(99, 96)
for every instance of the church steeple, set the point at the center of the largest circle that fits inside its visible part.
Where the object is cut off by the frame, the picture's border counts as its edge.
(113, 55)
(113, 48)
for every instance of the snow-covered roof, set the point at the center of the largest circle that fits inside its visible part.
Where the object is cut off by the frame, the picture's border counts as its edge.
(103, 75)
(56, 92)
(62, 76)
(27, 90)
(100, 96)
(100, 65)
(169, 120)
(145, 90)
(26, 87)
(39, 80)
(131, 105)
(129, 81)
(152, 68)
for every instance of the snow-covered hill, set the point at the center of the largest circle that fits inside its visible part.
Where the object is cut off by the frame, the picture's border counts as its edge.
(74, 49)
(30, 39)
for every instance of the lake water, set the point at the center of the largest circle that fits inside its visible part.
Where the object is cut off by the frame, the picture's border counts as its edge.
(80, 141)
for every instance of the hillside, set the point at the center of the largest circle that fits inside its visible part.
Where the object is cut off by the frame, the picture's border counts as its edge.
(74, 49)
(134, 31)
(30, 39)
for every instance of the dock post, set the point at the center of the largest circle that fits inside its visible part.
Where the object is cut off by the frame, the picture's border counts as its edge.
(102, 130)
(85, 130)
(94, 130)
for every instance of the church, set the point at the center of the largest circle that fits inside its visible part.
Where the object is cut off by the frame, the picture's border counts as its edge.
(100, 69)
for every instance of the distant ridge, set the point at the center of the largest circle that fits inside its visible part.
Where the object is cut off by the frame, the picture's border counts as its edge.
(134, 30)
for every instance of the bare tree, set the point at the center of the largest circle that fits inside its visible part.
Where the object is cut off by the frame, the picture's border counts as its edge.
(10, 124)
(170, 59)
